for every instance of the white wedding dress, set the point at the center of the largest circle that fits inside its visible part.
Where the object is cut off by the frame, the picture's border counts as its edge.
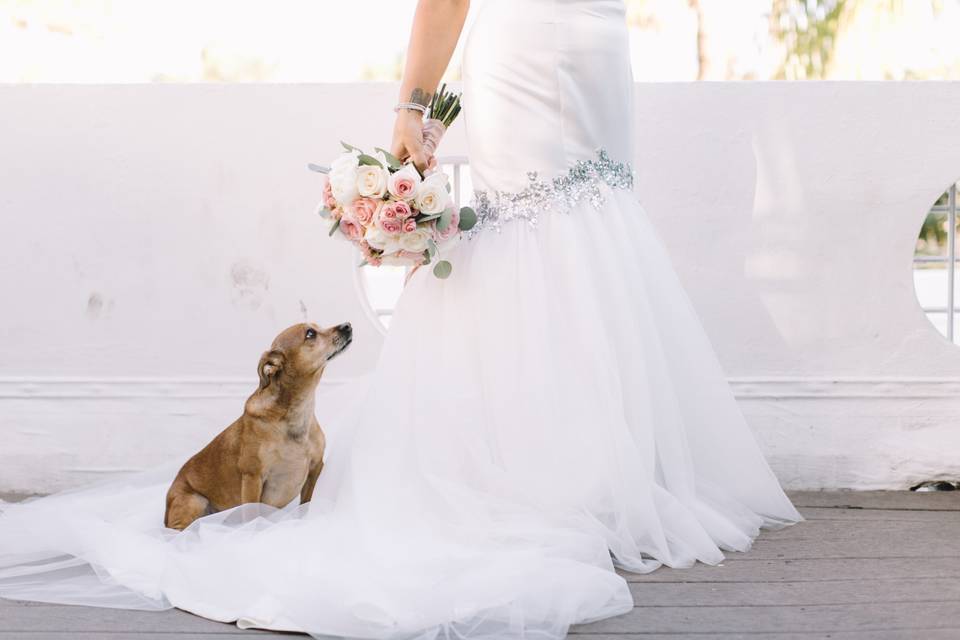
(551, 411)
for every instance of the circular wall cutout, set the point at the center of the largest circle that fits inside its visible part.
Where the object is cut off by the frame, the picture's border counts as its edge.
(934, 265)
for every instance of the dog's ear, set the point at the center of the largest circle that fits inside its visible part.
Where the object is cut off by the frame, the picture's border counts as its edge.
(271, 363)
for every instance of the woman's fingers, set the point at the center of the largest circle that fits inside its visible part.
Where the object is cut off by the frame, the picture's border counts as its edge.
(419, 158)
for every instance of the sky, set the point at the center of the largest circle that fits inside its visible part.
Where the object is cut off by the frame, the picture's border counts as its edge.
(349, 41)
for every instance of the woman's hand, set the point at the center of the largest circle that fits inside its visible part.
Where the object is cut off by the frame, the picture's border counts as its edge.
(408, 139)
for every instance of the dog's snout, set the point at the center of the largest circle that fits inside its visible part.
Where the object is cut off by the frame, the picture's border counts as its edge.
(345, 329)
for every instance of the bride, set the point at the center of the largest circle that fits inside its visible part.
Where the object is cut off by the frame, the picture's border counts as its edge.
(550, 412)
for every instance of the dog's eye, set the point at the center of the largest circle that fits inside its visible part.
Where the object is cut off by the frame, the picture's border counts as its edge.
(311, 334)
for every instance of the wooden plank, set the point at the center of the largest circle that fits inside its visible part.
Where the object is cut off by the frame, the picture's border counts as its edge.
(174, 635)
(55, 618)
(743, 569)
(871, 515)
(15, 497)
(876, 590)
(897, 500)
(838, 539)
(904, 617)
(916, 634)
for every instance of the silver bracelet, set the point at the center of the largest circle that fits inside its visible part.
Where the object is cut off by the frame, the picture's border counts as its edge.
(412, 106)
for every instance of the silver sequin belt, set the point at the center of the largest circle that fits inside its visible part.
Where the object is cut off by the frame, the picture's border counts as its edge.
(585, 180)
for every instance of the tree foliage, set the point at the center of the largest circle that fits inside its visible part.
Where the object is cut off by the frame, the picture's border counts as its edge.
(808, 30)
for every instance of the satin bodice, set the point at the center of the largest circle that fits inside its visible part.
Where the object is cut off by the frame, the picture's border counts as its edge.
(546, 83)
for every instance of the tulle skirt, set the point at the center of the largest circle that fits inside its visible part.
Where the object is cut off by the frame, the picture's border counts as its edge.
(552, 410)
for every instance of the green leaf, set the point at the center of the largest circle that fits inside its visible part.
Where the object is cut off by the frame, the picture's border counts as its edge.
(334, 227)
(349, 147)
(431, 248)
(364, 159)
(468, 219)
(363, 263)
(392, 160)
(318, 168)
(443, 269)
(325, 213)
(426, 218)
(445, 219)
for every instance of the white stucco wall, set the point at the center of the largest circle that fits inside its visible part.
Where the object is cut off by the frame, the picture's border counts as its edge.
(156, 237)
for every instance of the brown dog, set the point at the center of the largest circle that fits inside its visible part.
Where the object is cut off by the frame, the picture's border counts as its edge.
(274, 451)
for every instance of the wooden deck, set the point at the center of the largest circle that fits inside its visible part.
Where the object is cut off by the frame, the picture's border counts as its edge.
(865, 566)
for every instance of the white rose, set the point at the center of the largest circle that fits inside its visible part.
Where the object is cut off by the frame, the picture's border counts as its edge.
(415, 241)
(376, 238)
(371, 181)
(382, 241)
(432, 196)
(343, 178)
(404, 183)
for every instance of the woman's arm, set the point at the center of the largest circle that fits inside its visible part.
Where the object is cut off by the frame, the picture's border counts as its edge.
(436, 28)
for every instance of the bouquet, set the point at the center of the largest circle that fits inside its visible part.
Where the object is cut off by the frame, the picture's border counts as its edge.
(392, 213)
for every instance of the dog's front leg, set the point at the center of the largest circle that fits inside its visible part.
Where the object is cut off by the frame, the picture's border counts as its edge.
(307, 491)
(251, 487)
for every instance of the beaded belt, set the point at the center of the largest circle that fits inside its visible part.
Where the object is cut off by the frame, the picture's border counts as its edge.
(584, 180)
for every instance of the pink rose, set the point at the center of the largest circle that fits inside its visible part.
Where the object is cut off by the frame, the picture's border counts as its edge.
(328, 200)
(389, 211)
(409, 225)
(404, 188)
(403, 183)
(452, 230)
(403, 210)
(351, 228)
(365, 210)
(390, 226)
(371, 255)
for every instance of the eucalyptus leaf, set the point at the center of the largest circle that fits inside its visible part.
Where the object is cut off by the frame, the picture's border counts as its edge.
(392, 160)
(363, 263)
(349, 147)
(334, 227)
(325, 213)
(318, 168)
(445, 218)
(364, 159)
(443, 269)
(424, 218)
(468, 219)
(431, 247)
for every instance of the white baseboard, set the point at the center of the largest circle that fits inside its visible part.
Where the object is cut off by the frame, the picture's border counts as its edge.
(817, 432)
(770, 387)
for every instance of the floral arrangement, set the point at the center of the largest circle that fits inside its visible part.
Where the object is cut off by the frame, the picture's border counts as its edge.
(394, 214)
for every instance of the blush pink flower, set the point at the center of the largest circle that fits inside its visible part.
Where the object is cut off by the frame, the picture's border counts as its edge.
(391, 226)
(451, 230)
(365, 210)
(404, 183)
(409, 225)
(371, 255)
(389, 211)
(403, 210)
(351, 228)
(328, 200)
